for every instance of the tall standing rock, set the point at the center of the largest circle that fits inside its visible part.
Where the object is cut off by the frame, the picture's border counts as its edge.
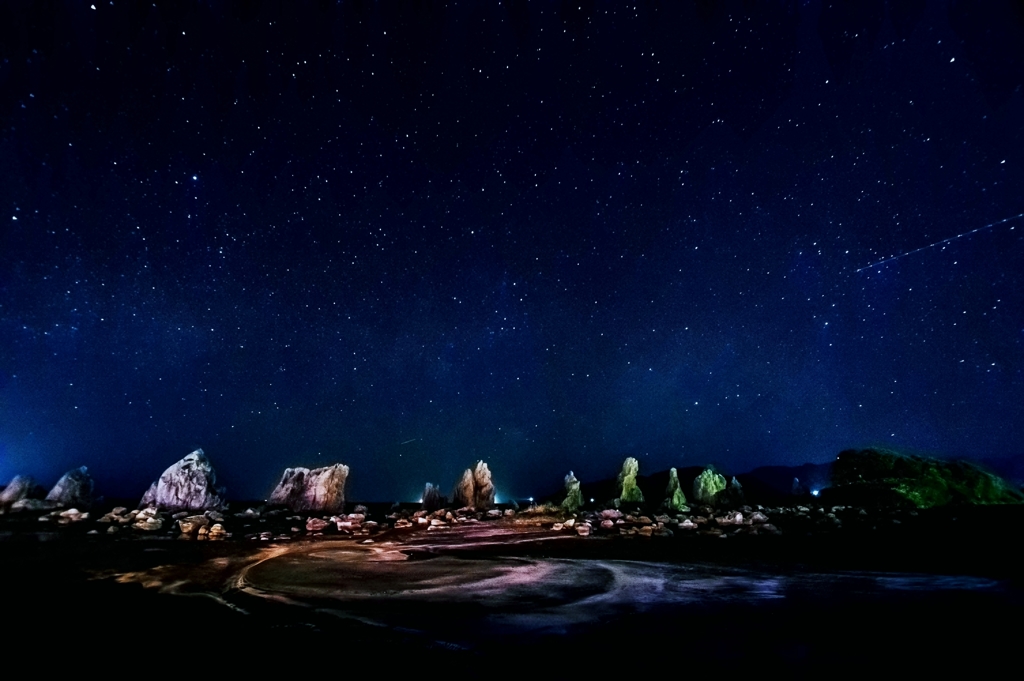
(464, 493)
(319, 489)
(483, 487)
(17, 489)
(432, 499)
(627, 479)
(74, 489)
(573, 495)
(674, 497)
(188, 485)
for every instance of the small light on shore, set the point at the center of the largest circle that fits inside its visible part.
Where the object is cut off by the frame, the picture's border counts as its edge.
(814, 492)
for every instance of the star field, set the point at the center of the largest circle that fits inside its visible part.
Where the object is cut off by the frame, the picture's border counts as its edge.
(548, 235)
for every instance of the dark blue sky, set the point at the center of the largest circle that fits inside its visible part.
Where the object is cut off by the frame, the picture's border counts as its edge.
(405, 236)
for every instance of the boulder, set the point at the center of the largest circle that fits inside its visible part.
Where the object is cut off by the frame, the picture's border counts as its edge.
(316, 524)
(75, 488)
(191, 524)
(188, 485)
(319, 489)
(871, 477)
(17, 489)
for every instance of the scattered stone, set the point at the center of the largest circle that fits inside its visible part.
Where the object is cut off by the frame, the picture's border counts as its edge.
(509, 513)
(570, 522)
(494, 513)
(583, 530)
(611, 514)
(217, 531)
(148, 523)
(316, 524)
(402, 523)
(191, 524)
(113, 529)
(557, 527)
(757, 517)
(607, 524)
(36, 505)
(646, 530)
(687, 525)
(187, 485)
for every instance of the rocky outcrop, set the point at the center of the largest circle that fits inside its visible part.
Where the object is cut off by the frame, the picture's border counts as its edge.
(75, 488)
(674, 498)
(475, 489)
(17, 489)
(319, 489)
(483, 487)
(629, 492)
(879, 477)
(707, 485)
(188, 485)
(432, 499)
(463, 494)
(573, 495)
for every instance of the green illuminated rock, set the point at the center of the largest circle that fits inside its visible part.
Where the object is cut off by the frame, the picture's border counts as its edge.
(573, 495)
(707, 485)
(881, 476)
(674, 497)
(627, 480)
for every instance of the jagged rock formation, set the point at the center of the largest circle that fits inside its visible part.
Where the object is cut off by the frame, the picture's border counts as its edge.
(75, 488)
(17, 489)
(630, 493)
(573, 495)
(483, 487)
(320, 489)
(475, 488)
(884, 477)
(674, 497)
(188, 485)
(707, 485)
(432, 499)
(463, 494)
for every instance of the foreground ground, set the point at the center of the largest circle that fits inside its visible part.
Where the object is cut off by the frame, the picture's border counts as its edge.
(932, 593)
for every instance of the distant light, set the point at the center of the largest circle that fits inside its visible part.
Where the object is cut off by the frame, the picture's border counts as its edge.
(591, 501)
(195, 177)
(814, 492)
(530, 500)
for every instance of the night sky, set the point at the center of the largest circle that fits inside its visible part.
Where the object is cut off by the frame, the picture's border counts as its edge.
(409, 235)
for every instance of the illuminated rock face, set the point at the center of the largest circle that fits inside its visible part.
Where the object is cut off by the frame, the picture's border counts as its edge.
(475, 488)
(627, 479)
(75, 488)
(188, 485)
(319, 489)
(573, 494)
(483, 488)
(674, 498)
(463, 493)
(707, 485)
